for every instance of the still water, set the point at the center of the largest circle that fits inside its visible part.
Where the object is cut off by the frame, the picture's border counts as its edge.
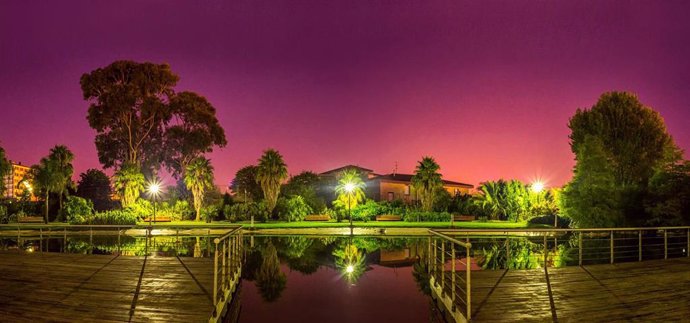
(354, 279)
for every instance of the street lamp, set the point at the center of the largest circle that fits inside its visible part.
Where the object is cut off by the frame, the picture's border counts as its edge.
(154, 190)
(349, 188)
(537, 186)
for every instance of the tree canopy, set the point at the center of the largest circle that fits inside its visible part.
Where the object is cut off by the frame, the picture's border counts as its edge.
(426, 181)
(245, 184)
(271, 172)
(141, 121)
(5, 168)
(94, 185)
(129, 182)
(619, 145)
(632, 135)
(199, 179)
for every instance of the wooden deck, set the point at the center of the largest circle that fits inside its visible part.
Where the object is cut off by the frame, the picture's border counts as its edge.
(37, 287)
(649, 291)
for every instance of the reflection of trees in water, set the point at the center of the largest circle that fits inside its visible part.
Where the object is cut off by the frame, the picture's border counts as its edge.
(420, 273)
(269, 279)
(197, 248)
(524, 254)
(350, 261)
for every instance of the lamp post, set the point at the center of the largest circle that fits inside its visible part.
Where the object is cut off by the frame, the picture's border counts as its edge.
(154, 190)
(349, 188)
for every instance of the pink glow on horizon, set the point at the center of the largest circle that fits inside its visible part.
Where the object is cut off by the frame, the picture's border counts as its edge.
(487, 89)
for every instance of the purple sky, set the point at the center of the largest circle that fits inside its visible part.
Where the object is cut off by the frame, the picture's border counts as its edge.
(485, 87)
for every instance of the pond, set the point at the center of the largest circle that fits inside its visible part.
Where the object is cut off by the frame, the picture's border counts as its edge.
(356, 278)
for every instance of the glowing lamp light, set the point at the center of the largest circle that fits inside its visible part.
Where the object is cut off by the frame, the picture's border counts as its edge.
(537, 187)
(154, 188)
(350, 269)
(349, 187)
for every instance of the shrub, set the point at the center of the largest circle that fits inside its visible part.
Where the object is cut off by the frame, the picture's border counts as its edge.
(296, 209)
(210, 212)
(368, 211)
(112, 217)
(77, 209)
(417, 216)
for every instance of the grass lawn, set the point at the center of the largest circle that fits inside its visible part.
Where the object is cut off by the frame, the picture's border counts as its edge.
(324, 224)
(387, 224)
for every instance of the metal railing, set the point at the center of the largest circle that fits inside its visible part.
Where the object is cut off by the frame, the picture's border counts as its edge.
(41, 232)
(227, 269)
(451, 274)
(593, 245)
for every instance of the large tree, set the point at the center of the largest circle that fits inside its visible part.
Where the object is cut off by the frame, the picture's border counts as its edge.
(426, 181)
(129, 109)
(633, 136)
(245, 184)
(129, 182)
(199, 179)
(94, 185)
(5, 168)
(630, 143)
(62, 157)
(592, 199)
(193, 131)
(271, 172)
(140, 120)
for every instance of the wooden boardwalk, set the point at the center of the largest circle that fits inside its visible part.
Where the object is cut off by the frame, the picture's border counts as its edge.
(56, 287)
(649, 291)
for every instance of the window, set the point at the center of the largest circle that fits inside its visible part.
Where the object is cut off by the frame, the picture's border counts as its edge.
(391, 196)
(407, 189)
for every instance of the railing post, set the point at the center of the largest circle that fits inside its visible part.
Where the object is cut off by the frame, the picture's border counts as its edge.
(64, 239)
(665, 244)
(507, 252)
(611, 248)
(428, 256)
(225, 272)
(443, 268)
(687, 250)
(639, 245)
(215, 272)
(435, 270)
(40, 244)
(579, 247)
(468, 289)
(452, 271)
(118, 241)
(91, 240)
(546, 252)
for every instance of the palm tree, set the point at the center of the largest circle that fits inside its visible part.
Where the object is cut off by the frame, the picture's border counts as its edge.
(198, 177)
(270, 173)
(62, 158)
(5, 168)
(45, 179)
(427, 181)
(129, 182)
(350, 190)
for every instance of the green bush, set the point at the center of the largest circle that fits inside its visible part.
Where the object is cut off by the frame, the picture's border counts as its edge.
(112, 217)
(296, 209)
(77, 209)
(417, 216)
(368, 211)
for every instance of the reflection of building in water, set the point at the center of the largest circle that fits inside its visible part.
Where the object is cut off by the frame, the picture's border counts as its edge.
(399, 257)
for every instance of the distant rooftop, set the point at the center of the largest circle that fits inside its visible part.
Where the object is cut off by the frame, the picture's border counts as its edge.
(408, 178)
(339, 169)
